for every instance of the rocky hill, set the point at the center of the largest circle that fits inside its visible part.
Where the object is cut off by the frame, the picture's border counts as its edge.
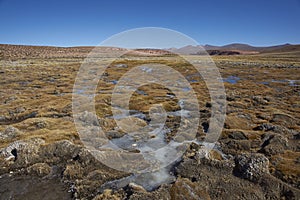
(235, 47)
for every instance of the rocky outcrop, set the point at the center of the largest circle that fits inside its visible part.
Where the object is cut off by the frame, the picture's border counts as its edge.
(21, 153)
(251, 166)
(273, 144)
(73, 164)
(10, 133)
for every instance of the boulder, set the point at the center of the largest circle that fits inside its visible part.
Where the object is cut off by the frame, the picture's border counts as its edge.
(22, 152)
(40, 124)
(10, 133)
(284, 119)
(265, 127)
(251, 166)
(237, 135)
(273, 144)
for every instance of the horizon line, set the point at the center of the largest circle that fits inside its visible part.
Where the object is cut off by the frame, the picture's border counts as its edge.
(77, 46)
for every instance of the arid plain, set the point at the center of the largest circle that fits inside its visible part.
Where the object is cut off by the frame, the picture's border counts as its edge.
(257, 155)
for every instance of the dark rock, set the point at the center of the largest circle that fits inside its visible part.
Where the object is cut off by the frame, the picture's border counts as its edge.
(15, 119)
(273, 144)
(114, 134)
(284, 120)
(217, 179)
(275, 189)
(205, 126)
(67, 108)
(251, 166)
(265, 127)
(222, 52)
(259, 100)
(41, 124)
(230, 98)
(237, 135)
(20, 110)
(208, 105)
(297, 136)
(233, 147)
(60, 151)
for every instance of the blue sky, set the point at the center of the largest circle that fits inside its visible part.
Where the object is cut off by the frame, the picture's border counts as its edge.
(87, 22)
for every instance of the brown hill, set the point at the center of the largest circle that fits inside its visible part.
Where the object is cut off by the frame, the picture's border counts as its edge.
(282, 49)
(231, 49)
(8, 51)
(27, 51)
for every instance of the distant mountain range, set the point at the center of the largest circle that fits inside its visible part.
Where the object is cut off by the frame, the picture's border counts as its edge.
(232, 49)
(27, 51)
